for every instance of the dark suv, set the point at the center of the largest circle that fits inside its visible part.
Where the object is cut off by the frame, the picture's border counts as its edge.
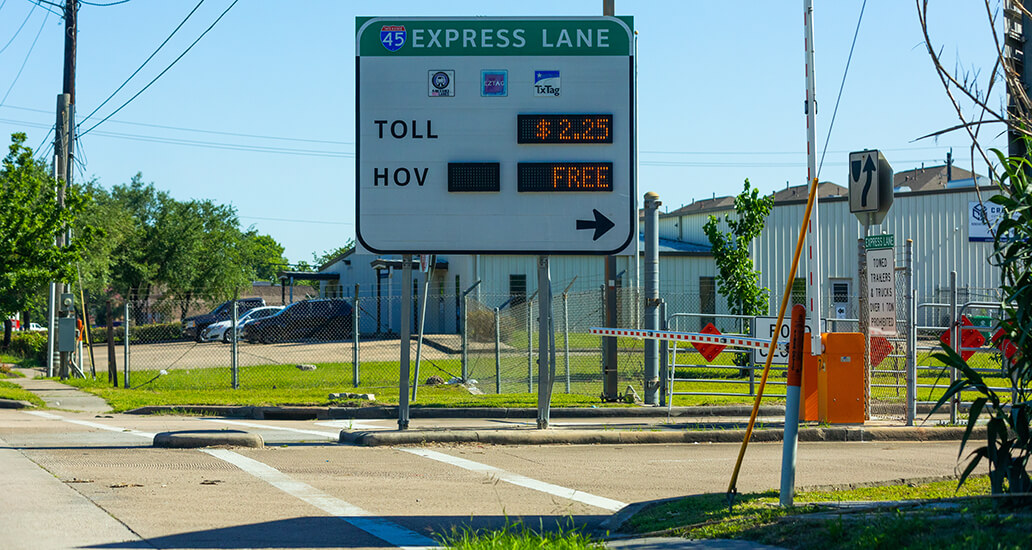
(321, 319)
(193, 326)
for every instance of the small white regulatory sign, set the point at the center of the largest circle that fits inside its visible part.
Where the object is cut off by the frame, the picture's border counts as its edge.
(763, 327)
(881, 285)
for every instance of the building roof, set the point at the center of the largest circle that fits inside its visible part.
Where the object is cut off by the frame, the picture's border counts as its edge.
(670, 247)
(932, 178)
(789, 194)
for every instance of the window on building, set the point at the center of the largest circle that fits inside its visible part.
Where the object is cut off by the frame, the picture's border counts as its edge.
(517, 289)
(707, 299)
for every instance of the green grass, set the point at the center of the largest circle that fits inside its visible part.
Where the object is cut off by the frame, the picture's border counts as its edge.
(268, 385)
(971, 522)
(10, 390)
(518, 537)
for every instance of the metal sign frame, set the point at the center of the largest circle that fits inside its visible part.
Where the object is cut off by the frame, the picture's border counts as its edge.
(422, 215)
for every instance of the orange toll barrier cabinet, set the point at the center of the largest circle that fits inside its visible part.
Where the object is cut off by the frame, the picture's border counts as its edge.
(840, 379)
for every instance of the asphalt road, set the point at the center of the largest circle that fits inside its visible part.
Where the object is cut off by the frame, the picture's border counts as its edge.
(78, 480)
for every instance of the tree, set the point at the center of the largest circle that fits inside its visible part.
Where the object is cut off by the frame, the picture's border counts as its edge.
(30, 219)
(737, 280)
(1008, 440)
(264, 255)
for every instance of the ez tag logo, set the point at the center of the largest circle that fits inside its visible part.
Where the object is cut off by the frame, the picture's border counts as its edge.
(392, 37)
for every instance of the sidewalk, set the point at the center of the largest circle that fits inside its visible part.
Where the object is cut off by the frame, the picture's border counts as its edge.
(60, 396)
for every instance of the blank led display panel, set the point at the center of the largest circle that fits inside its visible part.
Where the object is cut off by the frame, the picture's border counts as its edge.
(472, 177)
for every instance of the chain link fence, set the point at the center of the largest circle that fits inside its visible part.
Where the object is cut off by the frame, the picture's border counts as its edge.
(351, 344)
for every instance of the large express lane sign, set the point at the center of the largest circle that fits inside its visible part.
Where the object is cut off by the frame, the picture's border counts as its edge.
(483, 135)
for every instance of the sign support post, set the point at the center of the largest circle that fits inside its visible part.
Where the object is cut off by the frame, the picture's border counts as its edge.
(406, 341)
(545, 337)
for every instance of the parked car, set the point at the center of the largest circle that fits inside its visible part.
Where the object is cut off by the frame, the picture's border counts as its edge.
(36, 327)
(223, 329)
(321, 319)
(192, 326)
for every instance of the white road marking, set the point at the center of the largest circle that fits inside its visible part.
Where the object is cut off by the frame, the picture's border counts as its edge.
(329, 435)
(352, 425)
(89, 424)
(517, 479)
(378, 527)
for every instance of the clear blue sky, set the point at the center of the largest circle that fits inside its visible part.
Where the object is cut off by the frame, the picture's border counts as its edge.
(720, 95)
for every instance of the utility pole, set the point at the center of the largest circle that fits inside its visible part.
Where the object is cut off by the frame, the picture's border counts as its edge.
(1016, 55)
(64, 140)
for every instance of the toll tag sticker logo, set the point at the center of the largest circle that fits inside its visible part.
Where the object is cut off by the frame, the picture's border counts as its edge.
(546, 83)
(494, 83)
(441, 83)
(392, 37)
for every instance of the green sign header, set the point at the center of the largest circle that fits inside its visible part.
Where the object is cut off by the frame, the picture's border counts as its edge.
(414, 37)
(879, 241)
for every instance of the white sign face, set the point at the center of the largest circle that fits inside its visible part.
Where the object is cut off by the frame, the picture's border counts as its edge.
(983, 219)
(763, 327)
(881, 291)
(481, 135)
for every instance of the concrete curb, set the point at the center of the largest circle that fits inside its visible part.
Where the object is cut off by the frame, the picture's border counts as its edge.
(617, 437)
(195, 439)
(15, 404)
(391, 412)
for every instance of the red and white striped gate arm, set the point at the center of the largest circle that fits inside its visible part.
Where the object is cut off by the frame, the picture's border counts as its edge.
(700, 337)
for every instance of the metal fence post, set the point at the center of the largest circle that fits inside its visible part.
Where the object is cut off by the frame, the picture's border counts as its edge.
(566, 337)
(498, 351)
(911, 315)
(864, 322)
(954, 340)
(125, 341)
(663, 350)
(530, 346)
(465, 330)
(465, 339)
(234, 365)
(355, 335)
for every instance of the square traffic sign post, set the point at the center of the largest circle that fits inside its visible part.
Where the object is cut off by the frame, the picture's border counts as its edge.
(495, 135)
(870, 186)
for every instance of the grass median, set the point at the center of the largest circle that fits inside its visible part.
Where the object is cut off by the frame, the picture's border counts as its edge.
(933, 515)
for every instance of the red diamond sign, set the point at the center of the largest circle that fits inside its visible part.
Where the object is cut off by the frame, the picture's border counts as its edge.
(1004, 345)
(709, 351)
(969, 338)
(880, 349)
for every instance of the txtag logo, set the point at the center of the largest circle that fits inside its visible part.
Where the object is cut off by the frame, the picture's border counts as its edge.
(392, 37)
(546, 83)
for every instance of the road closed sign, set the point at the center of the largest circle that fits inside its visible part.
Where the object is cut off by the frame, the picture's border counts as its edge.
(495, 135)
(763, 327)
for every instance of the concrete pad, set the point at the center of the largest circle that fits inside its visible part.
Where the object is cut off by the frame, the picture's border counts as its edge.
(654, 436)
(41, 511)
(193, 439)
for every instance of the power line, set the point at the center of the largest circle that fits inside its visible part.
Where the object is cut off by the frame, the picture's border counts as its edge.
(22, 26)
(26, 60)
(239, 134)
(176, 60)
(47, 6)
(162, 45)
(103, 5)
